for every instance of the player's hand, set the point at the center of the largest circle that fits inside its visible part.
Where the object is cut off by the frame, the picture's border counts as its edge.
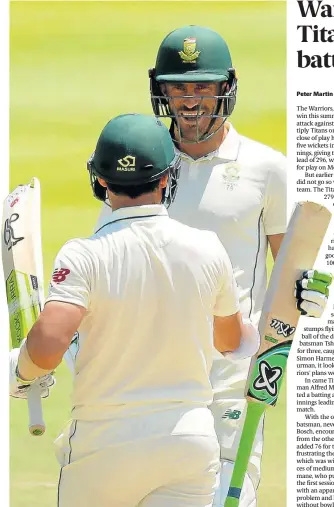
(312, 291)
(19, 388)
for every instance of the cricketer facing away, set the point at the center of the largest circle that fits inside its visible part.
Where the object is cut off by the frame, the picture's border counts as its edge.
(150, 298)
(233, 186)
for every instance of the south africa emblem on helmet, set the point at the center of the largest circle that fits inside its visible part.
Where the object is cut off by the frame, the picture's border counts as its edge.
(231, 176)
(189, 53)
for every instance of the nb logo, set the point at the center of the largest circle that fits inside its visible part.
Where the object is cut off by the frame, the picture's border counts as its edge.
(127, 163)
(60, 274)
(232, 414)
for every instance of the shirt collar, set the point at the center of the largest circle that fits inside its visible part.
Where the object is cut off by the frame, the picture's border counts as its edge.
(146, 210)
(227, 151)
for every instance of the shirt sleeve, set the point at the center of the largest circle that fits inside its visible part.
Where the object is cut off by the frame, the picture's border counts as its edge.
(71, 279)
(275, 214)
(227, 298)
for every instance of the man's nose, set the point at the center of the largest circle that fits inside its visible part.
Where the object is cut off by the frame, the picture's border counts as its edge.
(191, 102)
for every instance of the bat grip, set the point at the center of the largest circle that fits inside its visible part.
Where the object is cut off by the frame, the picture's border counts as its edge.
(251, 423)
(36, 422)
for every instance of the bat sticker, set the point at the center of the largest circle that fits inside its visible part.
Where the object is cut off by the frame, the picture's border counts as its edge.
(268, 378)
(268, 373)
(15, 201)
(277, 327)
(282, 329)
(34, 282)
(8, 232)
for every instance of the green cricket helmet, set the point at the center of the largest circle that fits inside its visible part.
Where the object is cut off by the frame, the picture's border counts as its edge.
(194, 54)
(134, 149)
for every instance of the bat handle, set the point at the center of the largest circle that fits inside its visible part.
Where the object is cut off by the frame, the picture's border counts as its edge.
(251, 423)
(36, 422)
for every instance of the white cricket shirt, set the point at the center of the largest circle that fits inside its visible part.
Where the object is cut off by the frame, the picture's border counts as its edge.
(151, 287)
(239, 192)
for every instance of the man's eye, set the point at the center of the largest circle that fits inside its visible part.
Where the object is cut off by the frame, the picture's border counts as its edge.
(178, 88)
(202, 88)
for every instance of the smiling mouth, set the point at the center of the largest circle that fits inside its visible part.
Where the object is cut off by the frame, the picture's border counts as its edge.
(191, 118)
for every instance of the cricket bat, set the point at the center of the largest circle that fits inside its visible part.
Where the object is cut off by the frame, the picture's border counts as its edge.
(279, 319)
(23, 272)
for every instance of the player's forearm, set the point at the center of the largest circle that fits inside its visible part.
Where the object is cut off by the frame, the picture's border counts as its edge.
(249, 342)
(236, 341)
(46, 346)
(27, 369)
(51, 335)
(42, 354)
(227, 332)
(275, 241)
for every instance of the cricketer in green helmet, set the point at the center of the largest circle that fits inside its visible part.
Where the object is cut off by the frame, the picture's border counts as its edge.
(150, 298)
(233, 186)
(199, 57)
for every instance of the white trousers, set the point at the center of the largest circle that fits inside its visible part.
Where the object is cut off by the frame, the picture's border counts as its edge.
(229, 416)
(168, 460)
(248, 492)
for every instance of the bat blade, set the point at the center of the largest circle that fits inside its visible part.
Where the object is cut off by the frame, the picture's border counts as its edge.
(23, 271)
(279, 319)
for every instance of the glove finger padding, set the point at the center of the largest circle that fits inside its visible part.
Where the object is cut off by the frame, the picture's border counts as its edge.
(310, 309)
(314, 297)
(22, 390)
(45, 383)
(311, 292)
(312, 284)
(323, 276)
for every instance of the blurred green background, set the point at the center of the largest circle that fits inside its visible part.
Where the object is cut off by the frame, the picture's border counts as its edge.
(75, 65)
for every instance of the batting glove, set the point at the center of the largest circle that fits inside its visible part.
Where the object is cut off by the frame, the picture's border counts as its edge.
(19, 388)
(311, 292)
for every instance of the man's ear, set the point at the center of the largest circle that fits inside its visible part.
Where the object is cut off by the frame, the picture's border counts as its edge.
(102, 182)
(164, 181)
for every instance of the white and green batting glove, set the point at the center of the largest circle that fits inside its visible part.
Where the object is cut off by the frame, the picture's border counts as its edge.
(311, 292)
(19, 388)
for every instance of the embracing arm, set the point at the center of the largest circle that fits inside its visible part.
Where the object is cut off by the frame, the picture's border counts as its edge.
(275, 241)
(234, 337)
(227, 332)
